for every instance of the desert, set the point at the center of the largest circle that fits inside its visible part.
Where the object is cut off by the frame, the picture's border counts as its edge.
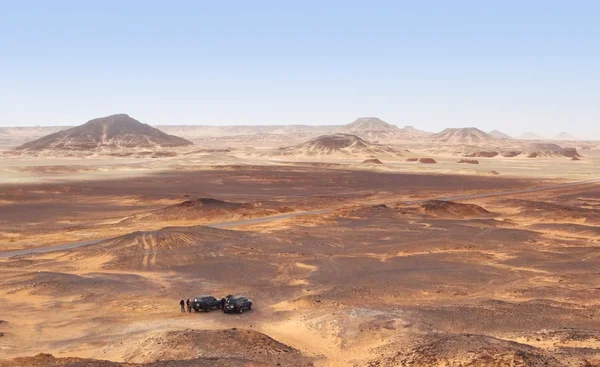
(352, 251)
(299, 184)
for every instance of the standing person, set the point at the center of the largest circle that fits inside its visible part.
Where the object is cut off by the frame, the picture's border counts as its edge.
(189, 305)
(182, 304)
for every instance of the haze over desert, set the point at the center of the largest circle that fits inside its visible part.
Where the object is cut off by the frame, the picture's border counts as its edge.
(353, 251)
(299, 184)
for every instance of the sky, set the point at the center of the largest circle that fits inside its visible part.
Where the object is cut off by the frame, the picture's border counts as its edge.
(510, 65)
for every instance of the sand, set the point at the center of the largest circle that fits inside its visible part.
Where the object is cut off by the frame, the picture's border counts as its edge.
(507, 280)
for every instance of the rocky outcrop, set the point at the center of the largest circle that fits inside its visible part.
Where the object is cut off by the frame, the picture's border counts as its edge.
(469, 161)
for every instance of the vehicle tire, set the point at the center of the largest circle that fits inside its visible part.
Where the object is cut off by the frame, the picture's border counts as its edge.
(241, 310)
(249, 307)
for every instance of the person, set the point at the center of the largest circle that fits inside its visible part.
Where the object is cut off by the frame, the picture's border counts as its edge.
(189, 305)
(182, 304)
(222, 304)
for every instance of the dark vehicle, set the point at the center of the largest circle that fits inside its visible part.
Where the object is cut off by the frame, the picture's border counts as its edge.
(237, 304)
(205, 303)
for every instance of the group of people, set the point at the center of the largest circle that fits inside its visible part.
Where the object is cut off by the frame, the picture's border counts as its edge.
(188, 304)
(185, 304)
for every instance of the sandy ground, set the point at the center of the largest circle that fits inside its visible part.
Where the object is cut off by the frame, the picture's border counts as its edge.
(513, 281)
(28, 169)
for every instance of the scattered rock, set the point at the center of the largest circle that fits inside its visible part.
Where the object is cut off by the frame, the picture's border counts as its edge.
(532, 155)
(511, 154)
(372, 161)
(452, 209)
(570, 153)
(470, 350)
(494, 172)
(575, 159)
(412, 159)
(482, 154)
(469, 161)
(427, 160)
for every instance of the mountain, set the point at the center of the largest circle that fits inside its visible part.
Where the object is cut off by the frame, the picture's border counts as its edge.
(372, 128)
(529, 136)
(564, 136)
(463, 136)
(500, 135)
(112, 132)
(409, 132)
(345, 145)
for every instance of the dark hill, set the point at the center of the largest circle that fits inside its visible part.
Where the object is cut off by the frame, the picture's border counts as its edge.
(112, 132)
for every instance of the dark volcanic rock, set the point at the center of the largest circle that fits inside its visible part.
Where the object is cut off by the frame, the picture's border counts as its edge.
(482, 154)
(450, 208)
(511, 154)
(412, 159)
(372, 161)
(570, 153)
(471, 350)
(427, 160)
(469, 161)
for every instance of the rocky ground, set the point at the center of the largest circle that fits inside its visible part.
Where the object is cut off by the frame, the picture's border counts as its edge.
(387, 276)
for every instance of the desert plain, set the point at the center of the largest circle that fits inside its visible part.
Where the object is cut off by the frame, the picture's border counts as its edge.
(361, 247)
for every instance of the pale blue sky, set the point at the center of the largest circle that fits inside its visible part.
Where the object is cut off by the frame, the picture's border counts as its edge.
(512, 65)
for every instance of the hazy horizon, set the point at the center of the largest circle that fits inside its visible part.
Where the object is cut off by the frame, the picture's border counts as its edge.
(513, 67)
(514, 135)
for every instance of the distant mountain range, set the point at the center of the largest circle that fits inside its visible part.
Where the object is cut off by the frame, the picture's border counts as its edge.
(121, 131)
(463, 136)
(564, 136)
(500, 135)
(529, 136)
(344, 145)
(375, 129)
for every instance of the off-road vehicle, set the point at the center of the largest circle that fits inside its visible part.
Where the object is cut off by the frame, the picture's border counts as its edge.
(206, 303)
(237, 304)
